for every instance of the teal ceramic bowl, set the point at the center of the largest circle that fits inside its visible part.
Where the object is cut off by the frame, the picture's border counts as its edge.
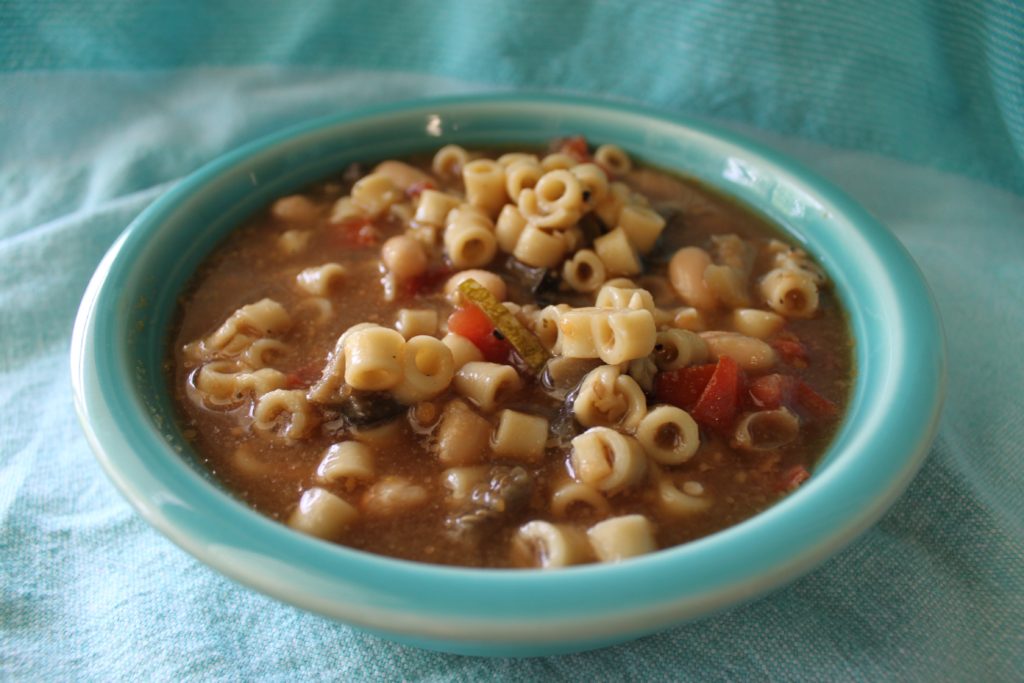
(123, 400)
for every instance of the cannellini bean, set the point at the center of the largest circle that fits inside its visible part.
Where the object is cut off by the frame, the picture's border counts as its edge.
(404, 257)
(750, 353)
(686, 273)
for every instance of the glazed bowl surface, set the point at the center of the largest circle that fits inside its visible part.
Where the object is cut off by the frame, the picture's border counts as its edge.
(124, 402)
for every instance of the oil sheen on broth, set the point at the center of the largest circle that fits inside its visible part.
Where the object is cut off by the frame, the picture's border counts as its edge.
(509, 359)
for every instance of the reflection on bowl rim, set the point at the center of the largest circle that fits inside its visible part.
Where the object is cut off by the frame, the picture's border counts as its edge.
(121, 397)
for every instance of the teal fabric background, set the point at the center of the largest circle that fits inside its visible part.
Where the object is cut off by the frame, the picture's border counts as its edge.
(916, 108)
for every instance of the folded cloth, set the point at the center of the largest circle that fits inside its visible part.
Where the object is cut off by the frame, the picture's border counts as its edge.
(96, 124)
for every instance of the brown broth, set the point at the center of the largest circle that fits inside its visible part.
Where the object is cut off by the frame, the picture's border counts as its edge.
(270, 475)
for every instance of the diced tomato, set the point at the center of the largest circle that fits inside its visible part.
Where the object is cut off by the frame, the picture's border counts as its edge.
(417, 188)
(814, 403)
(793, 477)
(778, 391)
(793, 351)
(576, 147)
(773, 391)
(304, 376)
(683, 387)
(355, 232)
(719, 403)
(473, 324)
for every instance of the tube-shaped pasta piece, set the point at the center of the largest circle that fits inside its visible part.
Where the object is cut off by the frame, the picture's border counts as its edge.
(217, 383)
(624, 297)
(576, 332)
(557, 161)
(552, 216)
(676, 348)
(750, 353)
(262, 351)
(375, 193)
(402, 175)
(620, 538)
(484, 180)
(539, 248)
(788, 258)
(428, 367)
(492, 282)
(510, 158)
(621, 283)
(728, 284)
(393, 496)
(346, 460)
(322, 514)
(613, 158)
(260, 382)
(608, 398)
(573, 493)
(610, 208)
(285, 412)
(642, 226)
(295, 208)
(333, 375)
(585, 271)
(434, 206)
(381, 437)
(521, 175)
(754, 322)
(622, 335)
(264, 318)
(792, 293)
(686, 273)
(293, 242)
(689, 318)
(509, 227)
(766, 430)
(559, 189)
(413, 322)
(676, 501)
(469, 242)
(320, 280)
(463, 350)
(669, 435)
(250, 463)
(345, 210)
(547, 545)
(463, 436)
(487, 384)
(593, 181)
(544, 324)
(373, 359)
(459, 481)
(607, 459)
(520, 435)
(449, 161)
(617, 253)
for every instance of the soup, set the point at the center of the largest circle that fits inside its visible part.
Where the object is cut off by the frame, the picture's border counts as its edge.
(510, 359)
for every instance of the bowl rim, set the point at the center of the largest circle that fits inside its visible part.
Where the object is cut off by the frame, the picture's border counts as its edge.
(436, 605)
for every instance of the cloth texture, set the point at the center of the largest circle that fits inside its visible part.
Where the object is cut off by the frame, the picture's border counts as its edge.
(915, 108)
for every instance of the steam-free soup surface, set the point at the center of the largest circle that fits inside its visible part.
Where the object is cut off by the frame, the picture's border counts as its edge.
(664, 363)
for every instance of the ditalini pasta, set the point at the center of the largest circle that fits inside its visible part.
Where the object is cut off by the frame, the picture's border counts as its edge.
(510, 358)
